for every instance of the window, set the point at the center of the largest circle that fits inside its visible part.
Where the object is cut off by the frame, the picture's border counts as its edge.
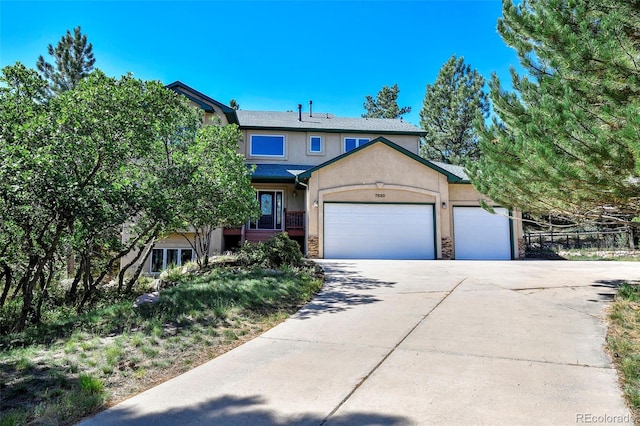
(267, 145)
(315, 144)
(165, 258)
(353, 143)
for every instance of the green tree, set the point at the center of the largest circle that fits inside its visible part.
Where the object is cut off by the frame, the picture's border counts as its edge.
(234, 104)
(75, 168)
(218, 192)
(448, 112)
(73, 61)
(385, 105)
(566, 141)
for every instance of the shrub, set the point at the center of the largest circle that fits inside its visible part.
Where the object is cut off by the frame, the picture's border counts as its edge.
(278, 251)
(172, 275)
(629, 292)
(90, 384)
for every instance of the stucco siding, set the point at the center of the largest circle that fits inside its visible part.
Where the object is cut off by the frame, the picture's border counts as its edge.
(465, 193)
(175, 241)
(291, 202)
(216, 118)
(297, 145)
(376, 174)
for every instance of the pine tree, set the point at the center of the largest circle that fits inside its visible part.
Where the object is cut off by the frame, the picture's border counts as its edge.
(73, 59)
(567, 141)
(385, 105)
(449, 109)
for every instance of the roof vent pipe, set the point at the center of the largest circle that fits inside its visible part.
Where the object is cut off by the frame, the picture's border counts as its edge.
(310, 108)
(299, 112)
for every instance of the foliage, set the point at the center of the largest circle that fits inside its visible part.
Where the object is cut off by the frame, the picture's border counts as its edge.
(73, 59)
(234, 104)
(219, 191)
(448, 112)
(89, 360)
(278, 251)
(385, 105)
(172, 275)
(566, 141)
(78, 166)
(90, 384)
(629, 292)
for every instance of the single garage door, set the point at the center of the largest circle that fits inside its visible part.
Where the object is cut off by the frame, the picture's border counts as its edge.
(478, 234)
(378, 231)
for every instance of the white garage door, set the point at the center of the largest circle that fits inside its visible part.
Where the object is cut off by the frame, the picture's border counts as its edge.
(478, 234)
(378, 231)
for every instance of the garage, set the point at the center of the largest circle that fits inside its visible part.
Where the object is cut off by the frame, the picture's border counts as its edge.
(378, 231)
(478, 234)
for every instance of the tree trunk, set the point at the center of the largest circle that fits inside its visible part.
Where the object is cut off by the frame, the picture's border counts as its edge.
(86, 281)
(138, 270)
(44, 284)
(123, 271)
(8, 276)
(72, 295)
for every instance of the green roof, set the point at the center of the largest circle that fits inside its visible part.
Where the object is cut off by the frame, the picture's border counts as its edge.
(205, 102)
(276, 172)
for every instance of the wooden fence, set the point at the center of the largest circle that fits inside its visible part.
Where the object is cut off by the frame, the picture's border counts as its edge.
(621, 238)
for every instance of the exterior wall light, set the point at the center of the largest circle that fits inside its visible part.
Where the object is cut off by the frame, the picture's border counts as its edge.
(315, 203)
(444, 205)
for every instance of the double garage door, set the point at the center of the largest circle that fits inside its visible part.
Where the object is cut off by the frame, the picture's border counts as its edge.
(407, 231)
(378, 231)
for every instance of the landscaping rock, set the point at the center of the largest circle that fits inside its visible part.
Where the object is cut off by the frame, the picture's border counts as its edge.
(153, 297)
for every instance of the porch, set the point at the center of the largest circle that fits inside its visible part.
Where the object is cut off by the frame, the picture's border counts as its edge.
(294, 225)
(282, 207)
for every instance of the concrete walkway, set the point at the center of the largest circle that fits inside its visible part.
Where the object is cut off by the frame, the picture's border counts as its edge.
(420, 343)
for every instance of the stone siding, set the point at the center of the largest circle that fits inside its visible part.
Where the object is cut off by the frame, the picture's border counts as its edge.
(447, 248)
(313, 247)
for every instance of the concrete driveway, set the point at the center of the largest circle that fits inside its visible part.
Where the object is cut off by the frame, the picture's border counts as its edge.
(416, 342)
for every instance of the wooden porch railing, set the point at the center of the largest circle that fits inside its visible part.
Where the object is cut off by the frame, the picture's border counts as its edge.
(293, 224)
(293, 220)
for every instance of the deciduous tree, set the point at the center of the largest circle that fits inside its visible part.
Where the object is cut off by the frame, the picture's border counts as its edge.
(75, 168)
(218, 192)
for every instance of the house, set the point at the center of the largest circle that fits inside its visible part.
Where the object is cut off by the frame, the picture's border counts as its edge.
(353, 188)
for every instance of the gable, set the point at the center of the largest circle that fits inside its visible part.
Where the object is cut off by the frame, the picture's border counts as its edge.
(393, 150)
(207, 104)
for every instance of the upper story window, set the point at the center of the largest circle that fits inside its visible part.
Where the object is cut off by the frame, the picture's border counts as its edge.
(315, 144)
(267, 145)
(353, 143)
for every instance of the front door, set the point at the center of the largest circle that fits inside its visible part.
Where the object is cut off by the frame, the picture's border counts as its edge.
(271, 210)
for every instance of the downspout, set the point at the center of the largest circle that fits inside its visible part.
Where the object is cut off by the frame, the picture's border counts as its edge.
(306, 216)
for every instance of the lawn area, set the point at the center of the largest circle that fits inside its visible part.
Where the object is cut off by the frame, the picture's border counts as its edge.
(623, 342)
(80, 364)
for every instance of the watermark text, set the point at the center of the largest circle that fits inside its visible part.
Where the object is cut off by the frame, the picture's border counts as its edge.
(589, 418)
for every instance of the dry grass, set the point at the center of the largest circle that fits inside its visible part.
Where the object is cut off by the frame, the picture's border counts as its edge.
(60, 380)
(623, 342)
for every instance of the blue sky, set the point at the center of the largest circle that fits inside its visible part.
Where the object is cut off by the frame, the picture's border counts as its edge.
(271, 55)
